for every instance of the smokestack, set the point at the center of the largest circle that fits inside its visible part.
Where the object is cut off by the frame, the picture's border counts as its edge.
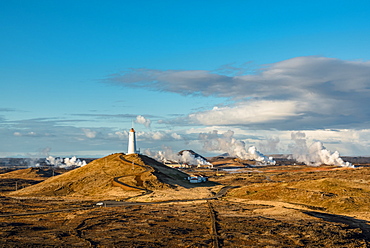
(131, 142)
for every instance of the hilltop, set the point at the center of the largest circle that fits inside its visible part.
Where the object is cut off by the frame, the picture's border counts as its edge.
(113, 175)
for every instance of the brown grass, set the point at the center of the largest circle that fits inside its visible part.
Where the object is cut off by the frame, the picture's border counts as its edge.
(29, 173)
(333, 193)
(95, 179)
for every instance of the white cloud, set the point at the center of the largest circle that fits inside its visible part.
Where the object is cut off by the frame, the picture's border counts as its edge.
(142, 120)
(176, 136)
(89, 133)
(245, 113)
(120, 134)
(159, 136)
(30, 134)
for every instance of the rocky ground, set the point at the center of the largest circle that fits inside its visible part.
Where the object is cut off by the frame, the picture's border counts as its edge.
(285, 206)
(172, 225)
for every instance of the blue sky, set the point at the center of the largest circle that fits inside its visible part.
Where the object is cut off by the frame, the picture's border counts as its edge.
(76, 74)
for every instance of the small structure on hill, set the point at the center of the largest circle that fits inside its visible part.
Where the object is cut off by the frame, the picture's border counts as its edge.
(197, 179)
(174, 164)
(132, 142)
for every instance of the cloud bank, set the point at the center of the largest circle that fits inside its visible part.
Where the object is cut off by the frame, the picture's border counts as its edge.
(324, 97)
(294, 94)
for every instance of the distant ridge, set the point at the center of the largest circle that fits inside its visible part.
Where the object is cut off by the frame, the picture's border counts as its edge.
(97, 178)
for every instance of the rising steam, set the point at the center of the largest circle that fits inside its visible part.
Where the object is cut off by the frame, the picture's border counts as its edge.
(168, 155)
(315, 154)
(225, 142)
(64, 163)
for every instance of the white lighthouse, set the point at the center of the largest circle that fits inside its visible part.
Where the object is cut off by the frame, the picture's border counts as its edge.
(131, 142)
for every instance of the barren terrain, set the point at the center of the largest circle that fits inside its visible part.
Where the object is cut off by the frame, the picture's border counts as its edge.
(277, 206)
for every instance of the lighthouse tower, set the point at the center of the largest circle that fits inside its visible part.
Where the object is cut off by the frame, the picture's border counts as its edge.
(131, 142)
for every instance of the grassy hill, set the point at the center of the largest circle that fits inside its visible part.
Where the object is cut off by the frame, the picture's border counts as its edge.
(96, 178)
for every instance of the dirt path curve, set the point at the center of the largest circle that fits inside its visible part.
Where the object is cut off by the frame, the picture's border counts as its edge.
(119, 183)
(350, 221)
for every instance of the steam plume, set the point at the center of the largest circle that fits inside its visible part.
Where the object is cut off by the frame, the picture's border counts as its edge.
(225, 142)
(33, 160)
(64, 163)
(315, 154)
(168, 155)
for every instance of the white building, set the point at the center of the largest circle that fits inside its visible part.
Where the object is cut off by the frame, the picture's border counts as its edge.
(197, 179)
(132, 142)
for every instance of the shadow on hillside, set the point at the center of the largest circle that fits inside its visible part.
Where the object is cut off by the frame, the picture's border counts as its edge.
(189, 185)
(172, 176)
(46, 172)
(350, 221)
(183, 182)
